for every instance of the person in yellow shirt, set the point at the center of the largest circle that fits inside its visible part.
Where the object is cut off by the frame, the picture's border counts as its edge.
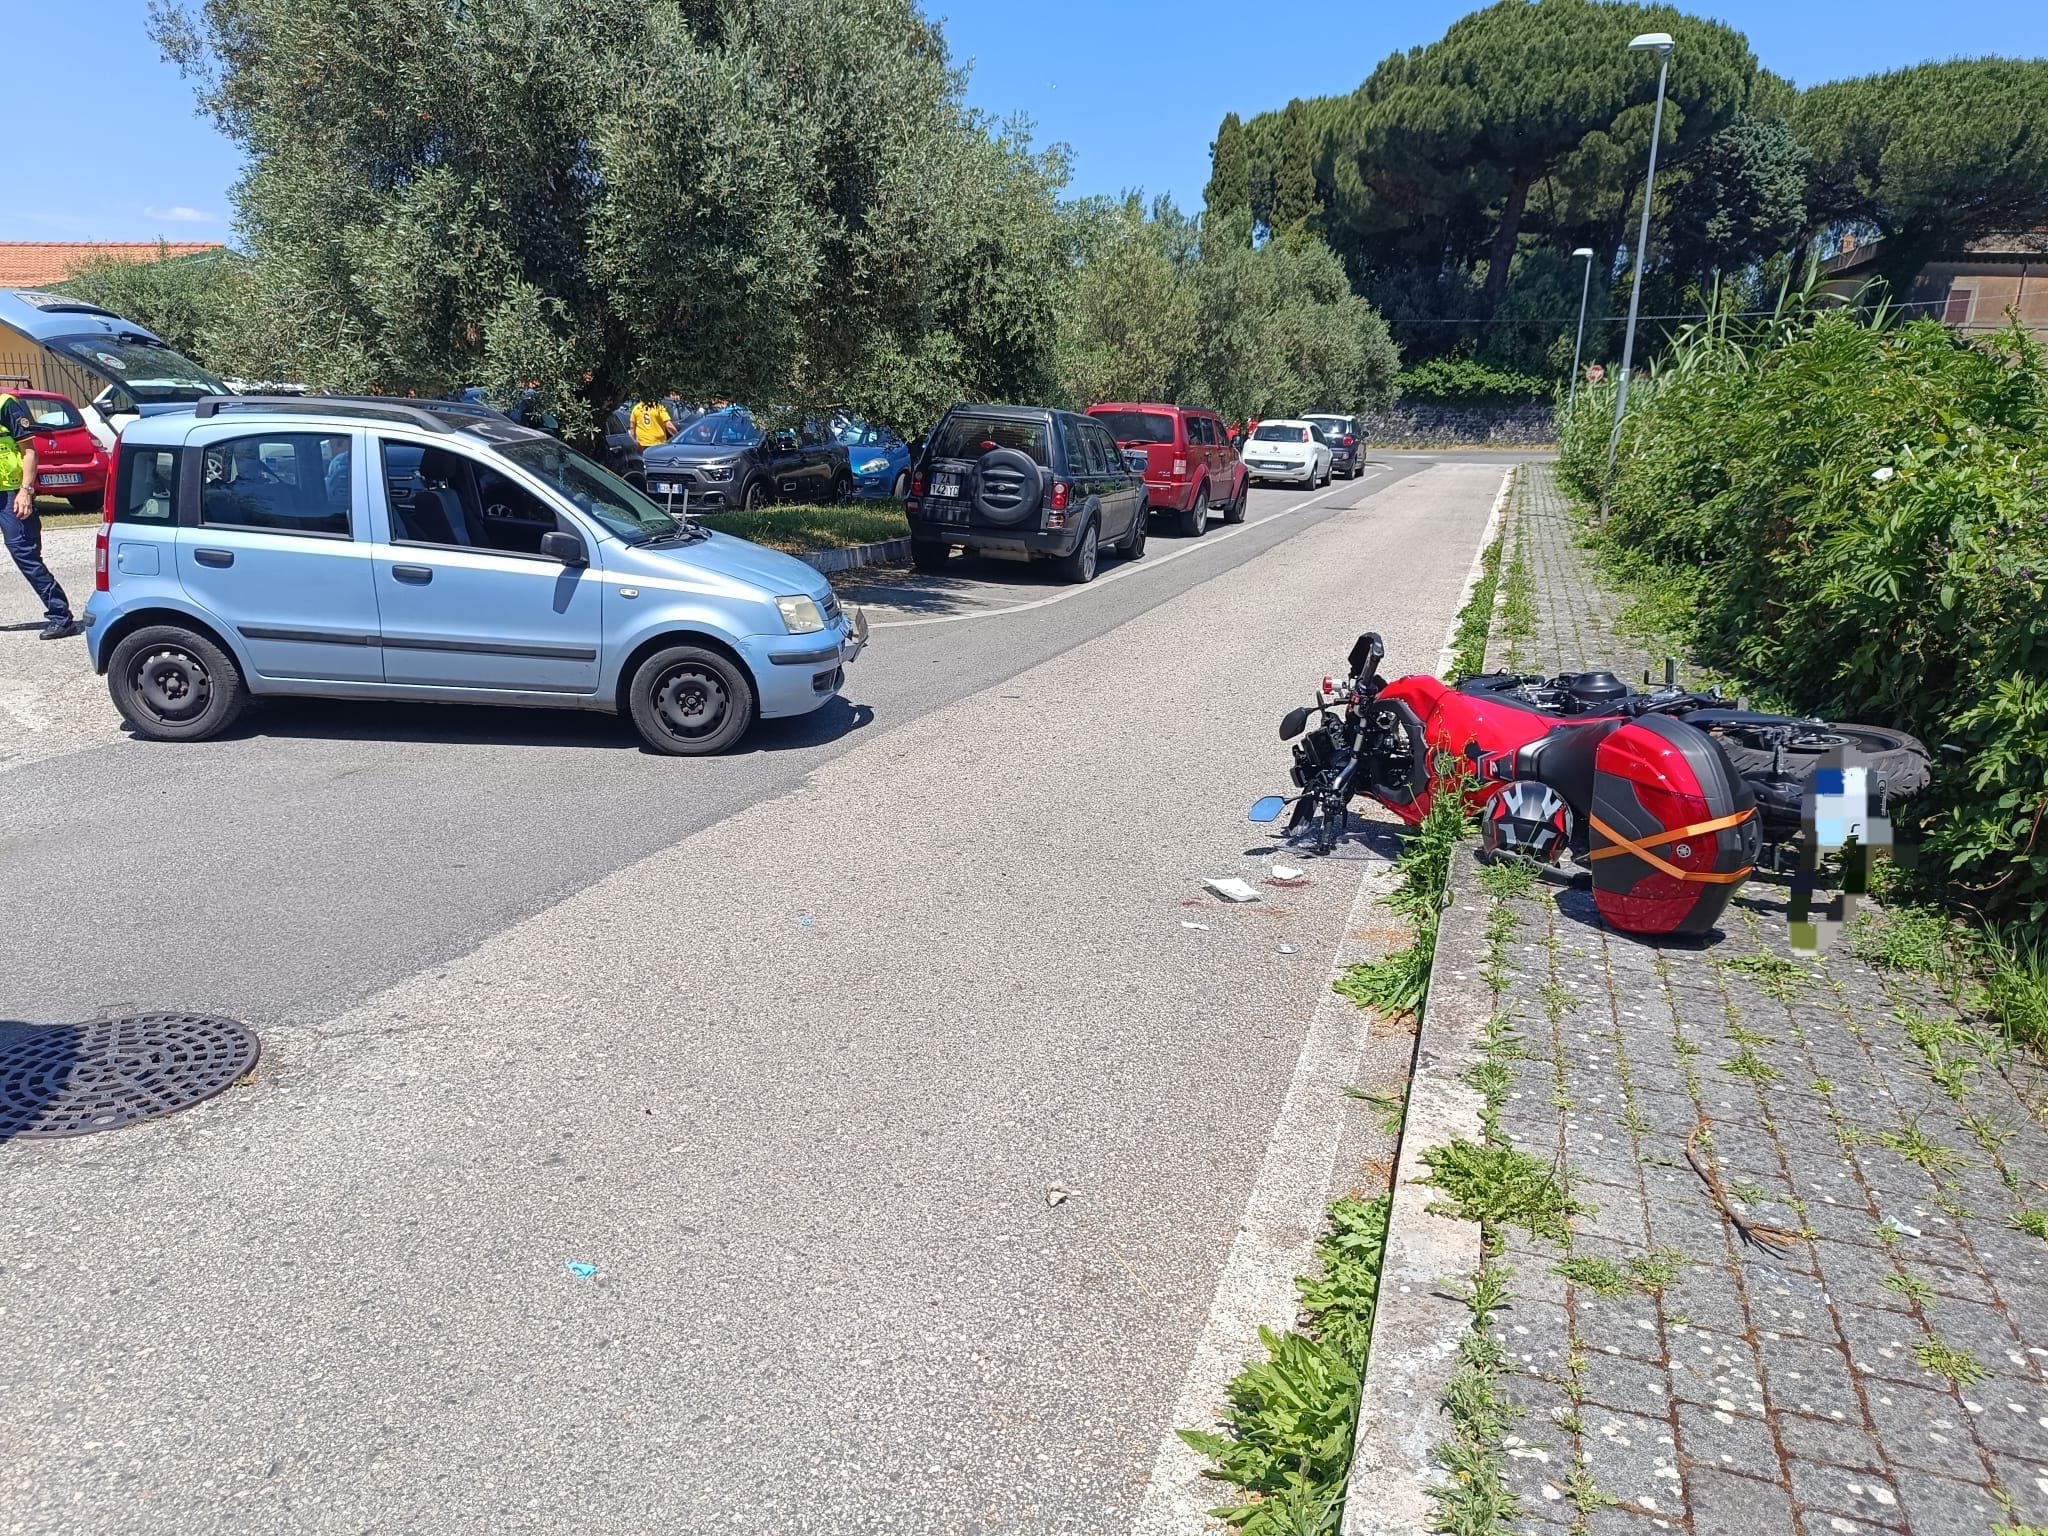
(652, 423)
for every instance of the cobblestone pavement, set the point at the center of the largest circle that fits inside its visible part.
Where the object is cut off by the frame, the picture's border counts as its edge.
(1806, 1290)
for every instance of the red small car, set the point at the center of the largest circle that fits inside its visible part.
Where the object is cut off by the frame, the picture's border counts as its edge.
(69, 460)
(1190, 465)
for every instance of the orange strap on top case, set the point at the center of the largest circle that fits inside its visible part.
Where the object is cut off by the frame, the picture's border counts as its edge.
(1641, 849)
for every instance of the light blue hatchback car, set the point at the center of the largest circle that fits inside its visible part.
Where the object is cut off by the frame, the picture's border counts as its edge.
(429, 550)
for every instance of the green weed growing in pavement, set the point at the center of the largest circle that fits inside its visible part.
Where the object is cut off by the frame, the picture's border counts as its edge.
(1398, 983)
(1518, 602)
(2016, 987)
(1914, 939)
(1474, 1499)
(1499, 1186)
(1958, 1365)
(1291, 1416)
(1783, 979)
(1912, 1287)
(2019, 1530)
(1586, 1495)
(1475, 619)
(1507, 879)
(2031, 1221)
(1750, 1194)
(1653, 1271)
(1916, 1146)
(1746, 1063)
(1603, 1277)
(1392, 1105)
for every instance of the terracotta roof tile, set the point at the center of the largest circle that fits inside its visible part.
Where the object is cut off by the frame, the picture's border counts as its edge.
(28, 263)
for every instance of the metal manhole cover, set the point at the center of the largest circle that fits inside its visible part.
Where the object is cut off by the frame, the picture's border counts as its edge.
(74, 1079)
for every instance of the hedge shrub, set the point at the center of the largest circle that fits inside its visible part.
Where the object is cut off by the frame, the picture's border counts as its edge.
(1463, 381)
(1862, 510)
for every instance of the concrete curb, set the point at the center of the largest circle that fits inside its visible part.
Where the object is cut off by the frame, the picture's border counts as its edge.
(852, 555)
(1416, 1330)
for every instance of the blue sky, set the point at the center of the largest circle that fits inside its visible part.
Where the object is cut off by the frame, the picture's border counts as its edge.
(1136, 87)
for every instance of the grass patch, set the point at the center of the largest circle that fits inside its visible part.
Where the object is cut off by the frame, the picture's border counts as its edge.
(1746, 1063)
(1499, 1186)
(1781, 978)
(1912, 1287)
(1914, 939)
(1391, 1104)
(2030, 1221)
(805, 530)
(2016, 986)
(1291, 1416)
(1398, 983)
(1958, 1365)
(1916, 1146)
(1603, 1277)
(1518, 604)
(1475, 619)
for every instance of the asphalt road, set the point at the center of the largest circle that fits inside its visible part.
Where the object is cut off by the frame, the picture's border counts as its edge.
(791, 1045)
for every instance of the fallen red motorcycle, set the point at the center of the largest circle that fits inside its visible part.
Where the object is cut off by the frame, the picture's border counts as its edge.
(1665, 799)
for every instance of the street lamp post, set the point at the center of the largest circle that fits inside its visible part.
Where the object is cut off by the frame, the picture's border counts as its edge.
(1658, 43)
(1585, 253)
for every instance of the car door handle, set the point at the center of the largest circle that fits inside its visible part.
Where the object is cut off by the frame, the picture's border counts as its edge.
(413, 575)
(218, 557)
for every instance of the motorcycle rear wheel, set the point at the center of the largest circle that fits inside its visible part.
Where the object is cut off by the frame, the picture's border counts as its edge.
(1898, 757)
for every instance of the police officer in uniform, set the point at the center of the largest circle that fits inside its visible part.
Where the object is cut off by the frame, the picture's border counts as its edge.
(19, 520)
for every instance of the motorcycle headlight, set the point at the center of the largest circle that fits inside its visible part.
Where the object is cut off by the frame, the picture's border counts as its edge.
(800, 615)
(871, 467)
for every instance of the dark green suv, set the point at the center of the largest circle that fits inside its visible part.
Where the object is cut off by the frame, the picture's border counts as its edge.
(1023, 482)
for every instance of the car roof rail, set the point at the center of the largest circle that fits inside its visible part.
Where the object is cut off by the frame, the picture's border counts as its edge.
(433, 416)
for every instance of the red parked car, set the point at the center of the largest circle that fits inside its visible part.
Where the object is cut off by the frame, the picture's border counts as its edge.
(69, 460)
(1190, 465)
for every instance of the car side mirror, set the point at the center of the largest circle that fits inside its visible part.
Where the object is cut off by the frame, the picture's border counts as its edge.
(565, 547)
(1138, 459)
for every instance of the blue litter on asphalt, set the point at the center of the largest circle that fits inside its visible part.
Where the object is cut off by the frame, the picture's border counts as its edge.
(579, 1269)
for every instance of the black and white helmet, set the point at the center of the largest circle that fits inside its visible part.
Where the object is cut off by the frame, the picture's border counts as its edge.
(1528, 820)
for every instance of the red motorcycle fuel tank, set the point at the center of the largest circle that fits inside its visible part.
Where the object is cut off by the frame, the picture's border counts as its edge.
(1450, 721)
(1673, 828)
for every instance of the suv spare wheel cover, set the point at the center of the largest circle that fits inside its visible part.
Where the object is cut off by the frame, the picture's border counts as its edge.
(1006, 485)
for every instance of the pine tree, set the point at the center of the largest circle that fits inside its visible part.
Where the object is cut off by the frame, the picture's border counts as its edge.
(1294, 190)
(1230, 171)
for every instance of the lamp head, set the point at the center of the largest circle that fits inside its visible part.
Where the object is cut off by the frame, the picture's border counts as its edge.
(1651, 42)
(1585, 251)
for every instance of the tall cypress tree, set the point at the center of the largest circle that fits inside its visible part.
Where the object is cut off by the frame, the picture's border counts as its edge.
(1230, 170)
(1294, 185)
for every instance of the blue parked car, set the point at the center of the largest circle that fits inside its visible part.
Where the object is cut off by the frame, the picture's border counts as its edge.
(879, 458)
(434, 550)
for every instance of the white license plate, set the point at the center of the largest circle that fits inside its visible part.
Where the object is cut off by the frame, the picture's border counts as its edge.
(945, 485)
(62, 479)
(665, 488)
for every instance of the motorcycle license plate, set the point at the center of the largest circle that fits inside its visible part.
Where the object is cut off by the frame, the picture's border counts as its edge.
(945, 485)
(61, 479)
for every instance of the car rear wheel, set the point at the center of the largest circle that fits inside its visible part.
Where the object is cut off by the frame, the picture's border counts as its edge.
(91, 503)
(1133, 546)
(687, 701)
(842, 487)
(1194, 522)
(929, 555)
(1234, 513)
(174, 684)
(1079, 567)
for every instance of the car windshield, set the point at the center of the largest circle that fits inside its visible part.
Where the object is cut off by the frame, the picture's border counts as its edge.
(593, 490)
(1331, 424)
(969, 437)
(1137, 426)
(1269, 433)
(149, 371)
(52, 415)
(721, 429)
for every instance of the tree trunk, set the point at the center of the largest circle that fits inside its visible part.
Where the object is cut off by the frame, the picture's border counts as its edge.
(1502, 256)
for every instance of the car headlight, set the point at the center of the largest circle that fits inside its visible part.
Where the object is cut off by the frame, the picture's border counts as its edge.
(716, 471)
(871, 467)
(801, 615)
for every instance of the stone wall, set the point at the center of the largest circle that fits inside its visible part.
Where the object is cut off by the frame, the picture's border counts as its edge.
(1528, 424)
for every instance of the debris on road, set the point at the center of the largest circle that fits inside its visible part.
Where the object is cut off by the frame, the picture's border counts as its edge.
(1056, 1195)
(579, 1269)
(1186, 924)
(1286, 949)
(1287, 874)
(1231, 889)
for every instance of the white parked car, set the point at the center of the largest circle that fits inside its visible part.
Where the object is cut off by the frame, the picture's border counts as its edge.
(1293, 451)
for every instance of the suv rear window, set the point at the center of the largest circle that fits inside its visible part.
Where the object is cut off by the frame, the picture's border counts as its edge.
(969, 437)
(1137, 426)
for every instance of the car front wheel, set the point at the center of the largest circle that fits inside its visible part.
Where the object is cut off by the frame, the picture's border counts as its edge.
(174, 684)
(689, 701)
(755, 496)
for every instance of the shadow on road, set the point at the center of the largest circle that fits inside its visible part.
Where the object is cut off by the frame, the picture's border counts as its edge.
(27, 1091)
(487, 725)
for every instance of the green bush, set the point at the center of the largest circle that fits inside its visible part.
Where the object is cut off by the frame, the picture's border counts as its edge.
(1862, 512)
(1465, 381)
